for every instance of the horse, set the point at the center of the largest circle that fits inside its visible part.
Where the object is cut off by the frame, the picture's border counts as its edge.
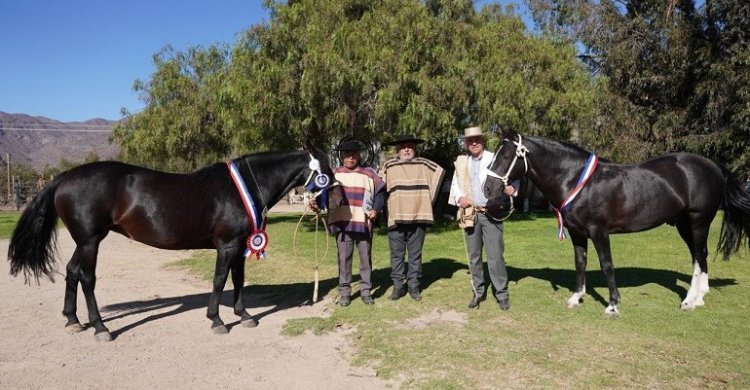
(595, 198)
(205, 209)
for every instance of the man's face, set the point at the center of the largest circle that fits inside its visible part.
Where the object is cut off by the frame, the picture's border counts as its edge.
(350, 158)
(475, 145)
(406, 151)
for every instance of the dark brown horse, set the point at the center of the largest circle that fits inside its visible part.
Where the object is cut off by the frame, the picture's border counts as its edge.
(199, 210)
(681, 189)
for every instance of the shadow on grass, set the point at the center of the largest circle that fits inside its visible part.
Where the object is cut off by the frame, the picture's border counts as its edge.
(624, 277)
(273, 298)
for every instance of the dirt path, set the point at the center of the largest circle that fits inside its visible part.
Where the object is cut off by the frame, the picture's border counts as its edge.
(162, 338)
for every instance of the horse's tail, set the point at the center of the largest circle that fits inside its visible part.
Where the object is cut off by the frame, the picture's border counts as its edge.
(735, 228)
(33, 244)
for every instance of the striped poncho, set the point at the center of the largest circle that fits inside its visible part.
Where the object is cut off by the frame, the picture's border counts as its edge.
(412, 189)
(359, 186)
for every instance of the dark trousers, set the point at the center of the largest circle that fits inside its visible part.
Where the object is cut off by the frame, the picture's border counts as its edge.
(345, 243)
(487, 233)
(406, 238)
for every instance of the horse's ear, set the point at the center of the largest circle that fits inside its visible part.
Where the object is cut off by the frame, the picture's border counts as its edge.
(508, 132)
(310, 148)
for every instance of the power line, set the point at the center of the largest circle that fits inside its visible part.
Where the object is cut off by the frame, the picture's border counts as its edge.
(69, 129)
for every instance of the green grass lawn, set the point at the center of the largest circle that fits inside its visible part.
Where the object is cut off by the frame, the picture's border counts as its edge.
(539, 343)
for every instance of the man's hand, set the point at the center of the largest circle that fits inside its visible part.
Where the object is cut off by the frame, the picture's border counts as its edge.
(464, 202)
(313, 204)
(509, 190)
(372, 215)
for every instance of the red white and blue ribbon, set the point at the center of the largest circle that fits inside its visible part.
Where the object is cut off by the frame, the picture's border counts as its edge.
(588, 171)
(258, 239)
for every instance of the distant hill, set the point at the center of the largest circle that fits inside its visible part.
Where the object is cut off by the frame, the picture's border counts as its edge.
(41, 142)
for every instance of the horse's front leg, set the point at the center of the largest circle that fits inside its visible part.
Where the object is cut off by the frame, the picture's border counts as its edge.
(238, 279)
(224, 256)
(601, 243)
(580, 249)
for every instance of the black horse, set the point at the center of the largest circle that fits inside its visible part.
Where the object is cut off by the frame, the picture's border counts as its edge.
(199, 210)
(681, 189)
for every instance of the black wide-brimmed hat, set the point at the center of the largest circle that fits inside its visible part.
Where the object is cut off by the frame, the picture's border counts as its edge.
(405, 139)
(350, 145)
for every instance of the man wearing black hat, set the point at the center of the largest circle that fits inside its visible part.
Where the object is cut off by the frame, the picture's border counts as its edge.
(363, 198)
(412, 184)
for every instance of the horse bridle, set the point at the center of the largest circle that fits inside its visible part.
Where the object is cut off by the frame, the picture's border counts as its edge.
(321, 181)
(521, 152)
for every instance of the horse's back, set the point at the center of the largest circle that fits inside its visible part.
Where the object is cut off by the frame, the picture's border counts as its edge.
(161, 209)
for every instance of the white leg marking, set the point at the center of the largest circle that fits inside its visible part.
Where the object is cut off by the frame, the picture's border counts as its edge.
(692, 295)
(702, 288)
(611, 311)
(575, 299)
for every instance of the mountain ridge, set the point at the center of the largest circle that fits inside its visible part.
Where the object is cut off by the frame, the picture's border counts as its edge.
(40, 142)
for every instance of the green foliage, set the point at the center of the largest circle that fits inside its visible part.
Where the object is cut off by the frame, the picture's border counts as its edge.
(321, 70)
(181, 127)
(676, 74)
(539, 343)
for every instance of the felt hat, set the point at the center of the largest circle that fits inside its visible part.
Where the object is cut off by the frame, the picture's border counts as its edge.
(350, 145)
(475, 131)
(405, 139)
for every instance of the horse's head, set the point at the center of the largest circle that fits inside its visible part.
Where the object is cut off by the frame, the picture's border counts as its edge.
(506, 165)
(323, 178)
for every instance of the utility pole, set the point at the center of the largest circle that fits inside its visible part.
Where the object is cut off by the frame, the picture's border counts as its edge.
(7, 158)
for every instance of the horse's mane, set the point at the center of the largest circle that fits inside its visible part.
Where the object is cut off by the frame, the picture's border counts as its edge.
(566, 147)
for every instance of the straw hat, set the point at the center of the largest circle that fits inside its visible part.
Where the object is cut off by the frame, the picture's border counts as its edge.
(475, 131)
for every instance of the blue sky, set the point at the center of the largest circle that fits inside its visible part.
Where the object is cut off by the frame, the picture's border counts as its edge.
(74, 60)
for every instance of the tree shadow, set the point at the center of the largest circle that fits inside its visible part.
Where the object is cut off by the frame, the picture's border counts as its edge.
(624, 277)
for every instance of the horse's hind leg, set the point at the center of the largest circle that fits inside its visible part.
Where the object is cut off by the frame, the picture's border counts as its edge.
(88, 253)
(72, 278)
(238, 279)
(695, 236)
(580, 247)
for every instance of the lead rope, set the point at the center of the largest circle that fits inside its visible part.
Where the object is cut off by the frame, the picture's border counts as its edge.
(318, 217)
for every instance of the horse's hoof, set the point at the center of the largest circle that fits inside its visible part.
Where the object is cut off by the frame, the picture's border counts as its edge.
(74, 328)
(685, 306)
(250, 323)
(220, 329)
(572, 305)
(699, 303)
(104, 336)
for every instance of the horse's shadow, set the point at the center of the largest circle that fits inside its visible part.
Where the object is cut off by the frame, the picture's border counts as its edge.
(272, 297)
(285, 296)
(625, 277)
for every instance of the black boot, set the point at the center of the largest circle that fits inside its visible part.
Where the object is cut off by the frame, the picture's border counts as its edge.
(398, 292)
(414, 294)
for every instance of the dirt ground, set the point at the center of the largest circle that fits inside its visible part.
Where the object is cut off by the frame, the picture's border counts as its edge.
(162, 338)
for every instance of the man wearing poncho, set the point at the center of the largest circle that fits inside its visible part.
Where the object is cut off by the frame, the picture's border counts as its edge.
(351, 222)
(412, 184)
